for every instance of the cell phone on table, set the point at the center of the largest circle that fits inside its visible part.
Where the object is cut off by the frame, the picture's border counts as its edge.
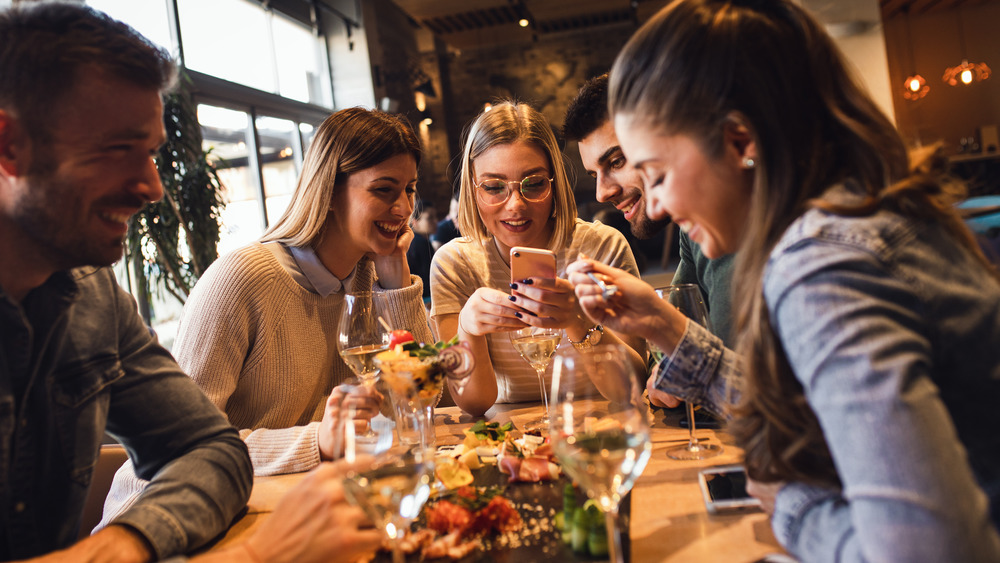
(702, 419)
(527, 262)
(724, 489)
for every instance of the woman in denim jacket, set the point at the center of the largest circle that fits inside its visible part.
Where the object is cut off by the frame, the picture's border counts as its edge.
(869, 319)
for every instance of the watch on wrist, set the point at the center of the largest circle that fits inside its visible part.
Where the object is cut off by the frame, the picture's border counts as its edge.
(591, 339)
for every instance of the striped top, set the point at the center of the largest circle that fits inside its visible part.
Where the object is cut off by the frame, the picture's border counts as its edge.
(462, 266)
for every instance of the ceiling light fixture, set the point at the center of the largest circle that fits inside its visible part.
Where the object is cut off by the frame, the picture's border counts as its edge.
(965, 73)
(914, 86)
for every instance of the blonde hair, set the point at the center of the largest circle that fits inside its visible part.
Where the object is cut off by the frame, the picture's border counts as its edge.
(507, 122)
(348, 141)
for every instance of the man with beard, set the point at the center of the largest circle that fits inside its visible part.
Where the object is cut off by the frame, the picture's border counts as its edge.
(80, 121)
(588, 123)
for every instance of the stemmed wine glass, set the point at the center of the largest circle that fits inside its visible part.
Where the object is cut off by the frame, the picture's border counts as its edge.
(536, 345)
(599, 427)
(688, 300)
(394, 488)
(361, 337)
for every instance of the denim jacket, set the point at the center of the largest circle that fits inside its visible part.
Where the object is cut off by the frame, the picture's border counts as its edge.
(76, 361)
(893, 331)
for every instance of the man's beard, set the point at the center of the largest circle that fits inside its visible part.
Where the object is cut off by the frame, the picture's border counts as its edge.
(647, 228)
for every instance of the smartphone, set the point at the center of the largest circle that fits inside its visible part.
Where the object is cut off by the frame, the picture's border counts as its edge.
(702, 419)
(724, 489)
(528, 262)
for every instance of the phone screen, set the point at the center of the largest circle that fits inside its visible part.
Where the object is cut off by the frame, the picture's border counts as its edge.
(728, 485)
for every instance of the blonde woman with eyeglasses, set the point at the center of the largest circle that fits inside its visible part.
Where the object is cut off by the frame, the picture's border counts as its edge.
(515, 192)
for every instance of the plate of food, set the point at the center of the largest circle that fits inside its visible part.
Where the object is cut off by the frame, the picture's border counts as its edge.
(490, 510)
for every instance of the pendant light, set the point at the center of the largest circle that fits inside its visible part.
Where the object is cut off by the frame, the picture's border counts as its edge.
(965, 73)
(914, 86)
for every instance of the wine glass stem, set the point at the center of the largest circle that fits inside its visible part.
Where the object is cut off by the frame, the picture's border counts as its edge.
(615, 554)
(545, 396)
(397, 552)
(693, 441)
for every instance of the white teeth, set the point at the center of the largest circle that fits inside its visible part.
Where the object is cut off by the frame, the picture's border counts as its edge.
(627, 209)
(391, 227)
(684, 226)
(517, 223)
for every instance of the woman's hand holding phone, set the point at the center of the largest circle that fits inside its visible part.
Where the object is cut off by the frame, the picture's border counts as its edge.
(488, 311)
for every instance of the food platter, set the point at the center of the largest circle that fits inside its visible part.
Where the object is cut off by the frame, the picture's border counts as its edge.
(540, 538)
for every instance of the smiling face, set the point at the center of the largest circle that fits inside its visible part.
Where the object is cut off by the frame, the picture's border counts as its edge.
(370, 210)
(707, 197)
(617, 182)
(517, 222)
(72, 199)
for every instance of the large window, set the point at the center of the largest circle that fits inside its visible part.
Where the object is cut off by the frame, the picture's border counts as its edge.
(262, 84)
(239, 41)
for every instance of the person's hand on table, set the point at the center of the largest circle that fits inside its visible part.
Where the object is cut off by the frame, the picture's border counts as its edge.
(488, 311)
(314, 522)
(365, 402)
(765, 493)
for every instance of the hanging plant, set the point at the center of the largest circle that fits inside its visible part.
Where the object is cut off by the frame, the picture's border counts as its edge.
(177, 237)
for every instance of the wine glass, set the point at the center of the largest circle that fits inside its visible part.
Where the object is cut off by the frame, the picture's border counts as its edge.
(536, 345)
(394, 488)
(361, 337)
(687, 298)
(415, 385)
(599, 427)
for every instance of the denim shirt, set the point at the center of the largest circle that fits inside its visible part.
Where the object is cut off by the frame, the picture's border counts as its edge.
(893, 330)
(76, 360)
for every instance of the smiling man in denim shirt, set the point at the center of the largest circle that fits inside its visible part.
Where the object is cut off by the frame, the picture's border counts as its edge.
(80, 118)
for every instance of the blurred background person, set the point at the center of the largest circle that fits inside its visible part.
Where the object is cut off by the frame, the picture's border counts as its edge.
(418, 256)
(447, 228)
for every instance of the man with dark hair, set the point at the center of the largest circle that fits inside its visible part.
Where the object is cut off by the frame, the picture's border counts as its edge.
(588, 123)
(80, 118)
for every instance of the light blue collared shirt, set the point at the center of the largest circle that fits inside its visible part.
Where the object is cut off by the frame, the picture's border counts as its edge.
(306, 269)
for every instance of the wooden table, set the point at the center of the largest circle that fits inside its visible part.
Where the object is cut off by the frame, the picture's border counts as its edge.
(669, 519)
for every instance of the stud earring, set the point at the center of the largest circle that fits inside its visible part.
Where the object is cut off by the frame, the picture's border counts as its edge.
(748, 163)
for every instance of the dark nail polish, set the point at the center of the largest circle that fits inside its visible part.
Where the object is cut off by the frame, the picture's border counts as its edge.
(513, 286)
(528, 281)
(512, 298)
(516, 314)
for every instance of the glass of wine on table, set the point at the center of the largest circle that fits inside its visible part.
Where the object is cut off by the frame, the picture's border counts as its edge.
(536, 345)
(599, 429)
(361, 338)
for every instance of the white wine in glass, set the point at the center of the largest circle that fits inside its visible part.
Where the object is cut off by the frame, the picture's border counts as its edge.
(536, 345)
(394, 488)
(361, 337)
(687, 298)
(600, 430)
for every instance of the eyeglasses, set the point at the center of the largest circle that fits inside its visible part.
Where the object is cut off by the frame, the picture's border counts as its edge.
(495, 191)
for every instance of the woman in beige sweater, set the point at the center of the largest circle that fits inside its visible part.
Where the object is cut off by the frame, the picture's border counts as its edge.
(259, 332)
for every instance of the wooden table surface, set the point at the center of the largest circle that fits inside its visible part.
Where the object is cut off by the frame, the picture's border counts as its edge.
(669, 519)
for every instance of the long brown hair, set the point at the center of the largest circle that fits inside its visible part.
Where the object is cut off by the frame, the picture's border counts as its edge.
(700, 63)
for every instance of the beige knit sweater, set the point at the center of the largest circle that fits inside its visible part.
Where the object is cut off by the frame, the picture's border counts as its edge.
(264, 350)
